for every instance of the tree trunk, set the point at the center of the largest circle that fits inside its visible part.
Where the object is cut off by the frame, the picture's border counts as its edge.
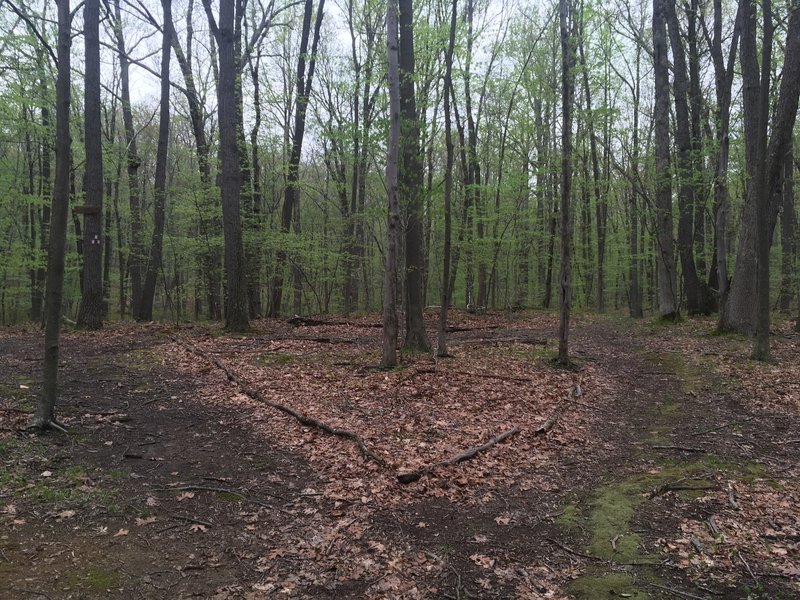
(292, 191)
(45, 414)
(90, 313)
(136, 256)
(389, 356)
(160, 184)
(441, 345)
(788, 242)
(567, 95)
(687, 192)
(410, 186)
(667, 284)
(236, 318)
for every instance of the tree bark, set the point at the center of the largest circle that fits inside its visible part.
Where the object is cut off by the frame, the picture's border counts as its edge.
(441, 345)
(45, 414)
(236, 318)
(567, 96)
(667, 284)
(788, 242)
(410, 185)
(389, 356)
(90, 313)
(160, 184)
(136, 255)
(292, 190)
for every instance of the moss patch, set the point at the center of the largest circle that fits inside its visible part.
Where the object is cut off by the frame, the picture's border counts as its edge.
(96, 580)
(596, 584)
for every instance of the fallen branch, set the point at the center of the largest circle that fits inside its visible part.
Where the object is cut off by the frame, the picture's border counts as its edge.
(304, 419)
(506, 340)
(569, 550)
(678, 486)
(299, 321)
(681, 448)
(551, 421)
(723, 426)
(460, 457)
(675, 592)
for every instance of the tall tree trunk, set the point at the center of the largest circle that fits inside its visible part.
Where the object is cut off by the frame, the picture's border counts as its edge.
(211, 258)
(410, 186)
(723, 78)
(687, 192)
(292, 190)
(160, 185)
(567, 97)
(236, 318)
(45, 413)
(389, 355)
(667, 284)
(136, 256)
(441, 345)
(788, 241)
(601, 207)
(90, 313)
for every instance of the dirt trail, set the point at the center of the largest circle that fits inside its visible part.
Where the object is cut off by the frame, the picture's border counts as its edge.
(167, 488)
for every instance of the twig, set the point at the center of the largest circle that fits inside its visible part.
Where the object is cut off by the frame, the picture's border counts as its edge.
(682, 448)
(202, 488)
(749, 570)
(797, 441)
(461, 456)
(458, 582)
(192, 520)
(675, 592)
(304, 419)
(723, 426)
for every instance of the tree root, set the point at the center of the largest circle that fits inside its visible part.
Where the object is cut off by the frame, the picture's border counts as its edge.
(304, 419)
(461, 456)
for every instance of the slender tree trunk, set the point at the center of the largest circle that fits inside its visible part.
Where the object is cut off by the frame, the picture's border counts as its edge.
(45, 414)
(90, 313)
(292, 191)
(389, 357)
(136, 255)
(441, 345)
(567, 96)
(160, 187)
(788, 242)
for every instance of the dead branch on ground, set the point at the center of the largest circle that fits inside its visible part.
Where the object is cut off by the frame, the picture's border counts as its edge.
(460, 457)
(304, 419)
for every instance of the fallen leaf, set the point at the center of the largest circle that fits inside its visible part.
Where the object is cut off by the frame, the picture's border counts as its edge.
(121, 532)
(140, 522)
(47, 473)
(482, 561)
(198, 527)
(185, 496)
(151, 501)
(502, 520)
(66, 514)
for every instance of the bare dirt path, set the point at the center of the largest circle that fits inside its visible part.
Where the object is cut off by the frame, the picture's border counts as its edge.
(662, 481)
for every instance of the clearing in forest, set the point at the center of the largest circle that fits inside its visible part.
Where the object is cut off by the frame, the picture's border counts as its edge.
(282, 463)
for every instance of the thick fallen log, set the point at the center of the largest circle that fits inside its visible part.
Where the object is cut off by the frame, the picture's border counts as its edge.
(460, 457)
(303, 418)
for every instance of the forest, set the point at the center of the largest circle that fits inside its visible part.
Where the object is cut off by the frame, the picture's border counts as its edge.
(399, 299)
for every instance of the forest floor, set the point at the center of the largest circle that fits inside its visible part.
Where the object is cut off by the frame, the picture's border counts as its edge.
(675, 474)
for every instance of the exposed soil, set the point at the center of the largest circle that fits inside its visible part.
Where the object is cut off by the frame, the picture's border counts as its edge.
(673, 475)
